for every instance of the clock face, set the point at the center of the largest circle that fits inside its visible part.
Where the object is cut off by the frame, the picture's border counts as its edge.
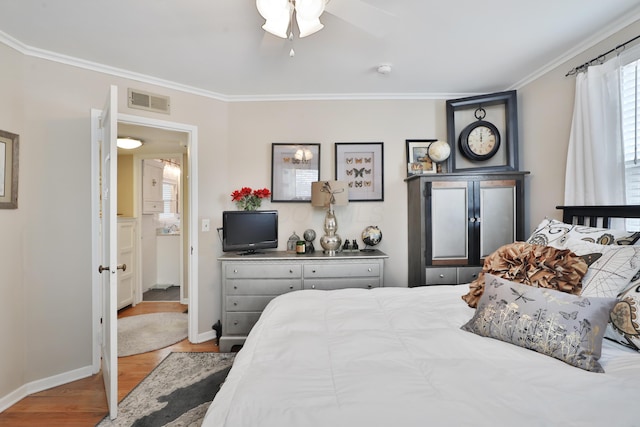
(479, 141)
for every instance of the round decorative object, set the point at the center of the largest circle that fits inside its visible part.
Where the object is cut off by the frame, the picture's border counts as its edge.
(480, 140)
(309, 235)
(371, 235)
(439, 151)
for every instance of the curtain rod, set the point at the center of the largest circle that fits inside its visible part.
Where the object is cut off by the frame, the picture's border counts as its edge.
(599, 59)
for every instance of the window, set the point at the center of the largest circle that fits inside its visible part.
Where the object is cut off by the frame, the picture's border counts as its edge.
(630, 99)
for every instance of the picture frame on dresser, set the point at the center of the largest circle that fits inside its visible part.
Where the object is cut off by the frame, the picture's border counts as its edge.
(418, 160)
(293, 168)
(9, 143)
(361, 166)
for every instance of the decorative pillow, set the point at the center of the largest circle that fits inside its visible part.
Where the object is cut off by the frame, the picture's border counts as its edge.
(624, 326)
(611, 267)
(533, 265)
(564, 326)
(553, 232)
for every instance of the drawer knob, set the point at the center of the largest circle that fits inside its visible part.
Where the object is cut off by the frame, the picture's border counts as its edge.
(442, 276)
(313, 271)
(290, 271)
(369, 270)
(235, 323)
(235, 271)
(290, 286)
(313, 286)
(235, 287)
(369, 286)
(235, 303)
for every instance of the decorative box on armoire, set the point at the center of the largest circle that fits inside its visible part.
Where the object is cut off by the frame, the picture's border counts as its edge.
(455, 220)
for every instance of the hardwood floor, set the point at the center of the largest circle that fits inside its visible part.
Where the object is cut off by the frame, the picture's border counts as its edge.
(83, 402)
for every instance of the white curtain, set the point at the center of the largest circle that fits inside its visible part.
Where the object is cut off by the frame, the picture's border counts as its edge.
(595, 162)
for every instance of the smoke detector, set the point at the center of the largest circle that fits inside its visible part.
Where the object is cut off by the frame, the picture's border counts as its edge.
(384, 69)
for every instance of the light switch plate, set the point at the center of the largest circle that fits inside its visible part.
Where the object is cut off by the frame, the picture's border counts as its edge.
(206, 224)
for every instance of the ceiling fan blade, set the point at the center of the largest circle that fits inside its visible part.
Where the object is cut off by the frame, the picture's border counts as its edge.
(362, 15)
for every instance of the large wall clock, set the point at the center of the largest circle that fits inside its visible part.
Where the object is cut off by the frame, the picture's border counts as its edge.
(484, 131)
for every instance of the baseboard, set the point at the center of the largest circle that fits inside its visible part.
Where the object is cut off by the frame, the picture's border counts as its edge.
(210, 335)
(43, 384)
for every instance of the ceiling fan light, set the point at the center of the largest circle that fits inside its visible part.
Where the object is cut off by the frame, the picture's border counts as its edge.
(308, 27)
(277, 27)
(310, 9)
(277, 14)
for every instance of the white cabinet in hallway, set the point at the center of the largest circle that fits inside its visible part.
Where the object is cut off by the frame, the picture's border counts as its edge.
(127, 256)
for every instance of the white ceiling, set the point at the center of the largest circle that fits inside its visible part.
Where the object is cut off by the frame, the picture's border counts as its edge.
(216, 47)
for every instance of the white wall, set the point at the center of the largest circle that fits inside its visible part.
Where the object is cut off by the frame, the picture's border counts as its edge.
(12, 228)
(45, 264)
(254, 126)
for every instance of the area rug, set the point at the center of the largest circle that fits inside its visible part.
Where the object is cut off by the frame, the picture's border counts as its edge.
(147, 332)
(177, 392)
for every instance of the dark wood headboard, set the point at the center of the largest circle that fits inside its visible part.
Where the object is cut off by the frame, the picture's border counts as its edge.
(589, 215)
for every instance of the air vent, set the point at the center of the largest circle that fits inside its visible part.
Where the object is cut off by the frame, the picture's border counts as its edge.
(149, 101)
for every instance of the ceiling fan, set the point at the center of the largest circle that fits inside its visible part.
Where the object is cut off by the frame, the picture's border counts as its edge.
(279, 15)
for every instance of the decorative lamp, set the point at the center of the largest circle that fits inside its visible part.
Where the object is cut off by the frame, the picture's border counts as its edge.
(329, 194)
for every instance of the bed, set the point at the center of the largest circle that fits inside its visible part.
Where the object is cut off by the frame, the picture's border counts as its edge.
(398, 356)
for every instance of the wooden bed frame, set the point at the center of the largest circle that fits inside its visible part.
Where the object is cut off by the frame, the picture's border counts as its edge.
(589, 215)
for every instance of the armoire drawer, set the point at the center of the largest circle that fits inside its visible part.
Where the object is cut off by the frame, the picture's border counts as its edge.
(262, 271)
(262, 287)
(341, 270)
(442, 276)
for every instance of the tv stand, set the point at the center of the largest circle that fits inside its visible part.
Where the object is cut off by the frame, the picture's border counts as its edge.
(249, 283)
(250, 252)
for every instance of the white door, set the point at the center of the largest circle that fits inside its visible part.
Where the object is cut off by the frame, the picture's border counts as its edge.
(109, 253)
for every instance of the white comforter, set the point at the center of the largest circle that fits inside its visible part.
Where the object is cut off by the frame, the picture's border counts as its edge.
(397, 356)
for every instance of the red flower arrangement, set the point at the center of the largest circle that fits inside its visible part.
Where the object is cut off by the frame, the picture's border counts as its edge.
(248, 199)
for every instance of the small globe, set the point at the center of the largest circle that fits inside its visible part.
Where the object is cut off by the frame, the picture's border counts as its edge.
(439, 151)
(309, 235)
(371, 235)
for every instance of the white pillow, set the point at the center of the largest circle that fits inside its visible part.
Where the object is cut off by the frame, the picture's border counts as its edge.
(611, 267)
(553, 232)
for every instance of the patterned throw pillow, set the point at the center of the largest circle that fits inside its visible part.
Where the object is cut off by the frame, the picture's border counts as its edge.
(553, 232)
(564, 326)
(624, 326)
(611, 267)
(533, 265)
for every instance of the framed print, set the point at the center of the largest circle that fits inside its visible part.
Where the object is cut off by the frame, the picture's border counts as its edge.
(483, 132)
(8, 170)
(361, 166)
(293, 168)
(418, 160)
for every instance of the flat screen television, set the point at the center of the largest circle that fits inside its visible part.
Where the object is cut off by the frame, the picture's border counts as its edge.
(248, 231)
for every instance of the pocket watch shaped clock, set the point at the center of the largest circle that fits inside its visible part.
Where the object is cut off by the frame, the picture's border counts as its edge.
(480, 140)
(484, 131)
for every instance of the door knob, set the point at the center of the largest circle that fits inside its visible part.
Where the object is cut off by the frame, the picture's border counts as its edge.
(122, 267)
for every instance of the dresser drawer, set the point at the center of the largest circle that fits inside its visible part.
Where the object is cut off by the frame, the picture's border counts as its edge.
(262, 287)
(247, 303)
(442, 276)
(239, 323)
(151, 206)
(341, 270)
(330, 284)
(262, 271)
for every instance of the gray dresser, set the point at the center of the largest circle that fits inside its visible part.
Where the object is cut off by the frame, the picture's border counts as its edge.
(249, 282)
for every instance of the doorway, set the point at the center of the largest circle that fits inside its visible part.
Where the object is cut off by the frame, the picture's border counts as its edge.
(159, 130)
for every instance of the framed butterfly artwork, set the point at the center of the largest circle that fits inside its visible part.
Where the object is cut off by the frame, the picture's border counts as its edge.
(293, 168)
(361, 166)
